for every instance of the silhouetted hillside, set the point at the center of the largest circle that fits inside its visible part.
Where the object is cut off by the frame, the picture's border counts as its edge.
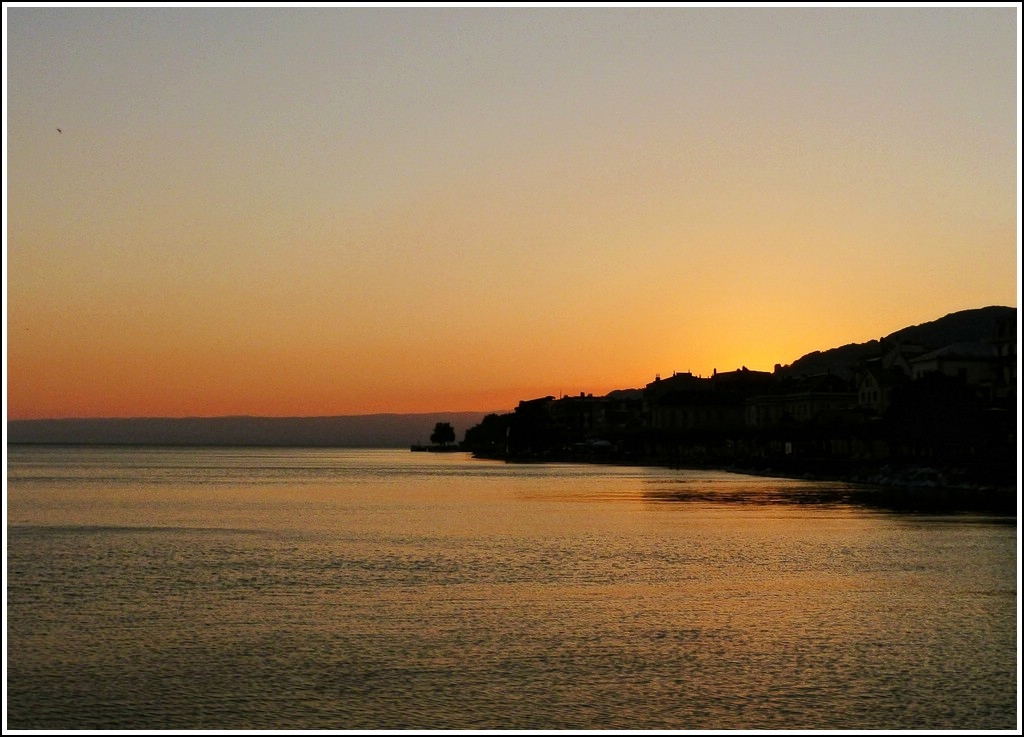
(839, 361)
(958, 327)
(967, 326)
(353, 431)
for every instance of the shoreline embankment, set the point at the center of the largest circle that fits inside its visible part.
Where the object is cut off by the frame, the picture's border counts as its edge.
(897, 485)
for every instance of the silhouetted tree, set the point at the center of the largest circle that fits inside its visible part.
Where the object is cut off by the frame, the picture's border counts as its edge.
(490, 436)
(443, 434)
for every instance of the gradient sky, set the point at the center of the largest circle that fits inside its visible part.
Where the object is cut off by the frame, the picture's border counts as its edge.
(351, 210)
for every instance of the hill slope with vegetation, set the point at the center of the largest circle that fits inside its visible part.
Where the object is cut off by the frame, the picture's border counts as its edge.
(967, 326)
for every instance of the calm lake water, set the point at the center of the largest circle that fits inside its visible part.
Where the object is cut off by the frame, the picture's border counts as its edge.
(349, 589)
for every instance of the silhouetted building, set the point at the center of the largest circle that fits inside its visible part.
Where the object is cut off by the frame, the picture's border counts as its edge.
(899, 355)
(1004, 342)
(801, 400)
(743, 381)
(975, 364)
(875, 385)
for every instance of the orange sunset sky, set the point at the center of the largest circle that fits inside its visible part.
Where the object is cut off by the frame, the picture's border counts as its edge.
(317, 211)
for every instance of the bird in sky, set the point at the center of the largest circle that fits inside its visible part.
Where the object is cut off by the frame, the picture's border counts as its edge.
(59, 130)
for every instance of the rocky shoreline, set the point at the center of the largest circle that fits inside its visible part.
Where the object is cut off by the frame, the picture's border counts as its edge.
(905, 487)
(917, 488)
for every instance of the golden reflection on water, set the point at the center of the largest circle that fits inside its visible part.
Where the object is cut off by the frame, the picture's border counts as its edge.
(317, 589)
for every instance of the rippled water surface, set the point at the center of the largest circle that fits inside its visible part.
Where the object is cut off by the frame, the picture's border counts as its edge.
(342, 589)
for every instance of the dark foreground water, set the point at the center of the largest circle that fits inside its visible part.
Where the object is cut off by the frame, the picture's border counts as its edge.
(340, 589)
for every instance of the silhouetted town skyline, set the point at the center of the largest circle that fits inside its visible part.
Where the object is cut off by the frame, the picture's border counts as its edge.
(889, 401)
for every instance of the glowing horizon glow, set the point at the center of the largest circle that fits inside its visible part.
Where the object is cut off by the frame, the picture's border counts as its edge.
(328, 211)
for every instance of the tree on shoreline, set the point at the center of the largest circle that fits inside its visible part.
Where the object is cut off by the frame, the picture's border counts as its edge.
(443, 434)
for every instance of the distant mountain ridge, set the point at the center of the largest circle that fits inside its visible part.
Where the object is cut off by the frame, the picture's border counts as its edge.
(343, 431)
(966, 326)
